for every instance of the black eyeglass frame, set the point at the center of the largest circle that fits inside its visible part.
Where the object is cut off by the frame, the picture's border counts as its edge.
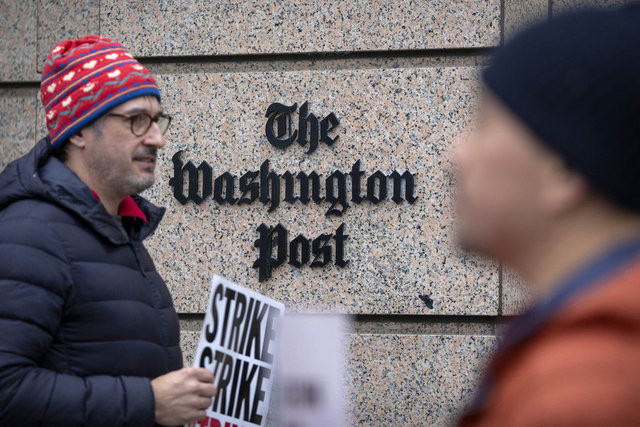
(155, 119)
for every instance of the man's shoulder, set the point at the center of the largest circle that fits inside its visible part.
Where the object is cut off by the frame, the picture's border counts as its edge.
(587, 374)
(615, 298)
(599, 327)
(34, 212)
(582, 365)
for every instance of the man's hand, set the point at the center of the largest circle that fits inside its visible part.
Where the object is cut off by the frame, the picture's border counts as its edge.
(182, 396)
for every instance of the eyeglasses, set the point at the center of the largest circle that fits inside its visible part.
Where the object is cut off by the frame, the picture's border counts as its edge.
(141, 122)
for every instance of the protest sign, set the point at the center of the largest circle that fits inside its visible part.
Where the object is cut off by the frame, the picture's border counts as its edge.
(238, 344)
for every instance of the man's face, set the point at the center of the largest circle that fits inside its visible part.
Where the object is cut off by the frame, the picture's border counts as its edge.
(501, 171)
(119, 161)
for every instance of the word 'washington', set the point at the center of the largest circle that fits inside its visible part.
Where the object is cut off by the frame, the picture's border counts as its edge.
(270, 188)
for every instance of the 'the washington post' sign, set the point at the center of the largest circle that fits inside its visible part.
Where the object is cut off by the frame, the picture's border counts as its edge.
(336, 192)
(238, 344)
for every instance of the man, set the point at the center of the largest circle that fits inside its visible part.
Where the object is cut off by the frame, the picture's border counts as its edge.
(549, 183)
(89, 332)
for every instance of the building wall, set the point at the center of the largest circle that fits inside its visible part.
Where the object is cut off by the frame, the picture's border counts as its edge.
(401, 78)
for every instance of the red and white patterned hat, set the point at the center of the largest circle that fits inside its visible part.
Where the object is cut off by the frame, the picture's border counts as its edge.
(85, 78)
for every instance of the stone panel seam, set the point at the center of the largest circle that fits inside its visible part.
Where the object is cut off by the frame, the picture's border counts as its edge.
(320, 56)
(500, 289)
(303, 62)
(35, 120)
(396, 324)
(20, 85)
(35, 60)
(431, 318)
(502, 19)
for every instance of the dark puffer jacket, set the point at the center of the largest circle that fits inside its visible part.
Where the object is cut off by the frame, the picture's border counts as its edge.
(85, 319)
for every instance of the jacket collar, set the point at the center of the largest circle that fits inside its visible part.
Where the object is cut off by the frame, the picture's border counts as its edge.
(127, 207)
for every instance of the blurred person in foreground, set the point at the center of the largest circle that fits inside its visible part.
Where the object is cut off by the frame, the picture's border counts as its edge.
(89, 333)
(549, 183)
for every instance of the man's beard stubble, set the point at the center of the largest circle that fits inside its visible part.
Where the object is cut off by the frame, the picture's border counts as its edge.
(124, 182)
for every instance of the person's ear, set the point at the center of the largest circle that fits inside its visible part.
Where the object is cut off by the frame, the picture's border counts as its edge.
(79, 139)
(564, 190)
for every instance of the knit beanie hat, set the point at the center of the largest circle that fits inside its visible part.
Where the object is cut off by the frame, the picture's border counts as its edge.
(575, 82)
(84, 78)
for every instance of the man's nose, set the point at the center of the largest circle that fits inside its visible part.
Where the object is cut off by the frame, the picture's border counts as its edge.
(457, 152)
(154, 137)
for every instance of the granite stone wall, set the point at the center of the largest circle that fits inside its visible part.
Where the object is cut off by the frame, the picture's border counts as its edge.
(400, 78)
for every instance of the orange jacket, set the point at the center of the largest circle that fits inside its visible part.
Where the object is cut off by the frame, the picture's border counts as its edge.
(580, 366)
